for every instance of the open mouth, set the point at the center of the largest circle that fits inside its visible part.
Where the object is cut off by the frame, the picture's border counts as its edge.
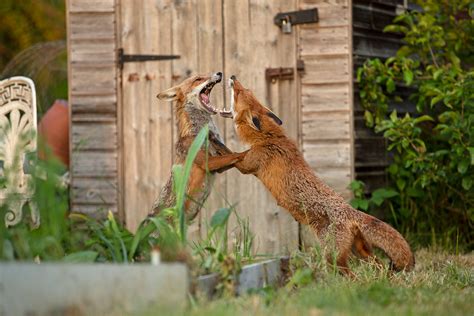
(229, 113)
(204, 96)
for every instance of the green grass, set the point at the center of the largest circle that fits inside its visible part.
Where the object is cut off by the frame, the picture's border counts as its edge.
(440, 285)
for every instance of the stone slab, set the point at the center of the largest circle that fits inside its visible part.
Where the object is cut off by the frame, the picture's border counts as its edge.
(85, 289)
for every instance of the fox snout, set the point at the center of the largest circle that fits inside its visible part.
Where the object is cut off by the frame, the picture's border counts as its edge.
(217, 77)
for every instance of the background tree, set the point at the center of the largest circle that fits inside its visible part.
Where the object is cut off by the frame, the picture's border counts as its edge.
(27, 22)
(32, 44)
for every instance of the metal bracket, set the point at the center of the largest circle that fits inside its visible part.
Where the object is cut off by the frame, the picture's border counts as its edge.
(286, 19)
(123, 58)
(283, 73)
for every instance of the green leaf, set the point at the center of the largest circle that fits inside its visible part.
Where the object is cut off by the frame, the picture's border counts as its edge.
(408, 76)
(384, 193)
(423, 118)
(471, 152)
(437, 73)
(394, 116)
(220, 217)
(467, 183)
(81, 256)
(182, 175)
(361, 204)
(369, 118)
(414, 192)
(462, 166)
(436, 99)
(390, 85)
(401, 184)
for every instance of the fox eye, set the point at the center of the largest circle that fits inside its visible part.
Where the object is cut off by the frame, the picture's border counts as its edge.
(198, 79)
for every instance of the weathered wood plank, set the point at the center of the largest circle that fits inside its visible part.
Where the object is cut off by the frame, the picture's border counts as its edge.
(94, 103)
(90, 117)
(94, 210)
(324, 40)
(92, 95)
(325, 97)
(327, 155)
(94, 164)
(147, 122)
(92, 80)
(326, 125)
(87, 136)
(95, 191)
(88, 26)
(81, 6)
(324, 69)
(85, 52)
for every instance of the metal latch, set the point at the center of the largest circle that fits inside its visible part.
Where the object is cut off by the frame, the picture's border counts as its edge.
(123, 58)
(283, 73)
(285, 20)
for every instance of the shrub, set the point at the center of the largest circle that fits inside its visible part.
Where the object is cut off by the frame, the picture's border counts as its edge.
(432, 173)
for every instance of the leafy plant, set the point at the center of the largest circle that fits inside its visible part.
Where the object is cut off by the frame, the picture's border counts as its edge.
(432, 173)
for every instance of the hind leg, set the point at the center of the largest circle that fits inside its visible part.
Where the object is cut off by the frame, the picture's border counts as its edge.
(342, 244)
(363, 249)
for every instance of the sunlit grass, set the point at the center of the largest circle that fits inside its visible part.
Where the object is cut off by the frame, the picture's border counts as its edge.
(441, 284)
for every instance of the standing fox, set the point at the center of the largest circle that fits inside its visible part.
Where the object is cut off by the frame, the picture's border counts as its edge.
(193, 111)
(277, 162)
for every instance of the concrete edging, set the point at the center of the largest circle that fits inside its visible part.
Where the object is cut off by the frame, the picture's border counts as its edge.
(59, 288)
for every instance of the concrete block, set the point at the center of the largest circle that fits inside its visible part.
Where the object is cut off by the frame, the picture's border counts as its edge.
(85, 289)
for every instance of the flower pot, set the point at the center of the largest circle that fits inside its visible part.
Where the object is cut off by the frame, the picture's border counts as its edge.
(53, 130)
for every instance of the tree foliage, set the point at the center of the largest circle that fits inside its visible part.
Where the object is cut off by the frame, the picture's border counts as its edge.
(433, 150)
(26, 22)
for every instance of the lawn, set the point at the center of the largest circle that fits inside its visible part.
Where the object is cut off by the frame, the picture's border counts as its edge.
(441, 284)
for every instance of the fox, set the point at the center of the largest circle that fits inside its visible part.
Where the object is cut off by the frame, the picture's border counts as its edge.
(277, 162)
(193, 110)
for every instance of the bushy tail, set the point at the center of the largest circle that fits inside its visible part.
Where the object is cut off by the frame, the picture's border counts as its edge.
(381, 235)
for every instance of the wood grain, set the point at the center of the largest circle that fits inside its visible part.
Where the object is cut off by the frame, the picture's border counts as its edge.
(93, 104)
(146, 122)
(247, 57)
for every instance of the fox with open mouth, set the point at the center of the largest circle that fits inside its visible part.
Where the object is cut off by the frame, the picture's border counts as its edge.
(193, 110)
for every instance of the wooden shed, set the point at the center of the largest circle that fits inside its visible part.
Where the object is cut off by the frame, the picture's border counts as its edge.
(123, 136)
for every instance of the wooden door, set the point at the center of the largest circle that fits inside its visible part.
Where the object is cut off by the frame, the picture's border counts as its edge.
(252, 44)
(236, 37)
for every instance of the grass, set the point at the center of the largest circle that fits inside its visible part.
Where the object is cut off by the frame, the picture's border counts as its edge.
(441, 284)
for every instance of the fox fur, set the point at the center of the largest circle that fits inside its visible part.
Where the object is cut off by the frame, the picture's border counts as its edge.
(276, 161)
(193, 111)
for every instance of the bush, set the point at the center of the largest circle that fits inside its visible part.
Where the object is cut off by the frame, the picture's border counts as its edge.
(432, 173)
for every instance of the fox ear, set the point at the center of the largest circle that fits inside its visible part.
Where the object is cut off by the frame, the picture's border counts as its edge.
(275, 118)
(168, 95)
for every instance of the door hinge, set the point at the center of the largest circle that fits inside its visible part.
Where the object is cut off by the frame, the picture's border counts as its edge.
(123, 58)
(285, 20)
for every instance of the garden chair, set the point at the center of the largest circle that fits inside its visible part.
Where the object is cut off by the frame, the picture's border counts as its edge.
(17, 145)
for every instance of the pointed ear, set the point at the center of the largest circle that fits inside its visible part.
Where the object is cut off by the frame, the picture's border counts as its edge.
(168, 95)
(274, 117)
(253, 121)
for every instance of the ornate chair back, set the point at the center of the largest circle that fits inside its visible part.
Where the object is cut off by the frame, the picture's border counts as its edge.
(18, 143)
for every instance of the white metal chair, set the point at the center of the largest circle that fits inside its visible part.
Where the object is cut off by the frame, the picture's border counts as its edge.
(18, 130)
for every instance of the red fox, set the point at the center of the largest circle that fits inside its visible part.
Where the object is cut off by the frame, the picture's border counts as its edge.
(193, 110)
(277, 162)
